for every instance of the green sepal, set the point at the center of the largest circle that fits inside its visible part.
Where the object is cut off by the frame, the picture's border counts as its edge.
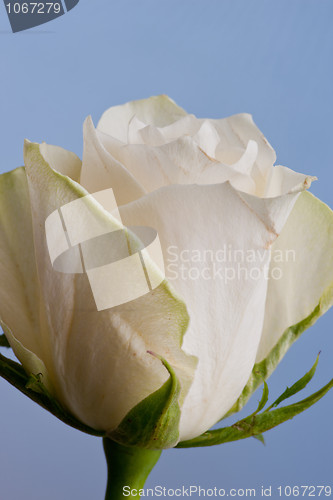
(264, 399)
(33, 387)
(258, 423)
(297, 387)
(154, 422)
(3, 341)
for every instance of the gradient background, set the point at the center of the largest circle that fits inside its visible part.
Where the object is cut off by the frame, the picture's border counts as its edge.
(215, 58)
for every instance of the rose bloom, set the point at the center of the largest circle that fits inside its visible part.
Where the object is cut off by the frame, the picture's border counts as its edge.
(204, 186)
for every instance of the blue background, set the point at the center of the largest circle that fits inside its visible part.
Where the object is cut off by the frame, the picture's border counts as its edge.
(215, 58)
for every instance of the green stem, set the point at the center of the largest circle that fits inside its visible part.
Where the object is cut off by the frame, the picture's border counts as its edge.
(127, 466)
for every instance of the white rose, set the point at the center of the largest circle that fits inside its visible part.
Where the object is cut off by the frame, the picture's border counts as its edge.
(209, 188)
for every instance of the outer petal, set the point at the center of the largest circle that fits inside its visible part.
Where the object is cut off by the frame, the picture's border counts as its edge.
(159, 111)
(196, 224)
(304, 291)
(19, 291)
(102, 368)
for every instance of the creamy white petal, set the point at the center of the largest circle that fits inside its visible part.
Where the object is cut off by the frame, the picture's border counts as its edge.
(151, 136)
(189, 158)
(246, 162)
(235, 133)
(217, 173)
(150, 166)
(177, 162)
(134, 127)
(226, 311)
(306, 273)
(98, 354)
(101, 170)
(242, 179)
(159, 111)
(274, 212)
(188, 125)
(207, 138)
(140, 133)
(195, 166)
(282, 180)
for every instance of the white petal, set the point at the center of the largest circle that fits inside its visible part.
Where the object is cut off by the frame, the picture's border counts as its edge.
(226, 315)
(188, 125)
(159, 111)
(101, 170)
(134, 128)
(306, 283)
(150, 166)
(282, 180)
(177, 162)
(245, 164)
(274, 212)
(189, 158)
(242, 179)
(140, 133)
(207, 138)
(235, 132)
(195, 166)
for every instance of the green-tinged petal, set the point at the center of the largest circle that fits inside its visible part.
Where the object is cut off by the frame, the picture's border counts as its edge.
(19, 291)
(32, 364)
(65, 162)
(158, 110)
(304, 291)
(154, 422)
(100, 358)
